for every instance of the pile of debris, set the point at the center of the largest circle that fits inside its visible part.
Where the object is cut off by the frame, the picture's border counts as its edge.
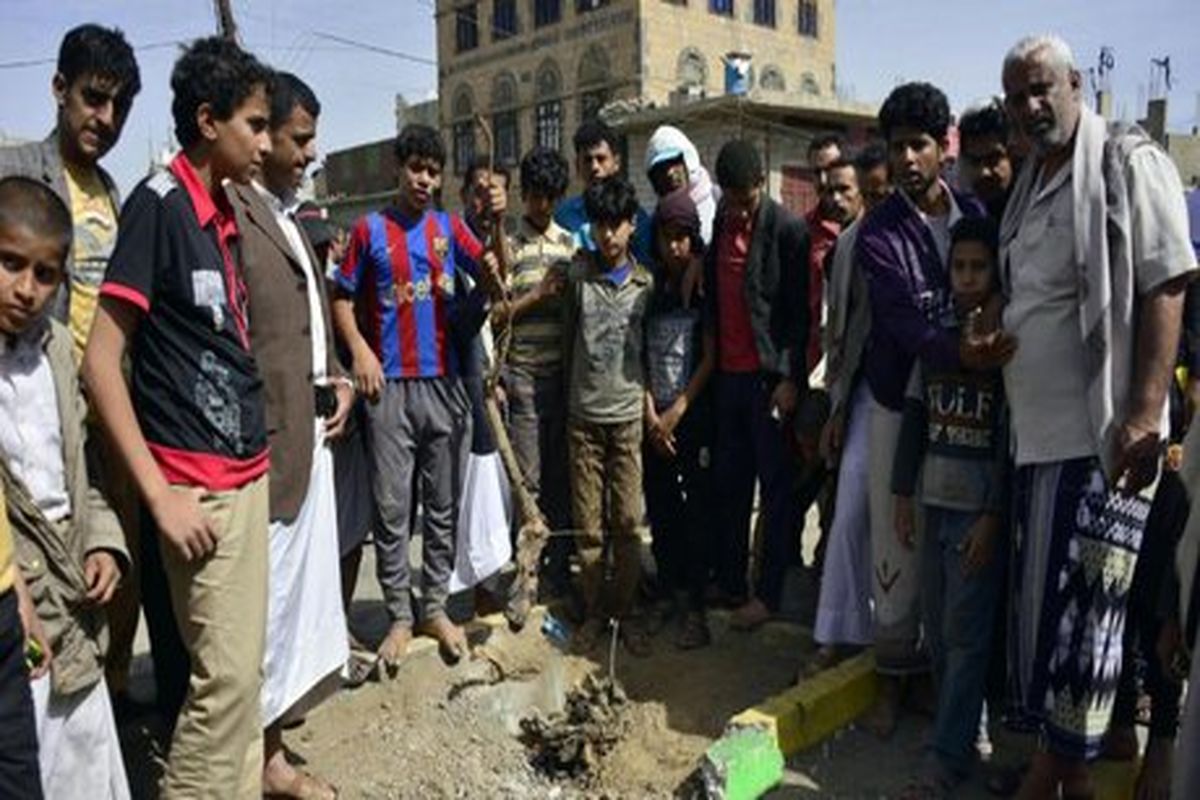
(572, 743)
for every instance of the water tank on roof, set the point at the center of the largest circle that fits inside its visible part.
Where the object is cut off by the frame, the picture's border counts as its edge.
(737, 73)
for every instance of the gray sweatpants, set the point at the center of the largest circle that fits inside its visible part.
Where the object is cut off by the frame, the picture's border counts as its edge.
(420, 426)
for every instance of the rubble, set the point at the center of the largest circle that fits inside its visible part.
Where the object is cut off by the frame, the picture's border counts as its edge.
(572, 743)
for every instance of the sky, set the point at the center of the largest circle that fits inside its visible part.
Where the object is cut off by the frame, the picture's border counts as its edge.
(958, 46)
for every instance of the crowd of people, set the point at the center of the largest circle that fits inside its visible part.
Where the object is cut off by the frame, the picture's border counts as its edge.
(980, 377)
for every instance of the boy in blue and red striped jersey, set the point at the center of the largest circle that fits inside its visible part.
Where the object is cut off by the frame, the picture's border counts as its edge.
(400, 305)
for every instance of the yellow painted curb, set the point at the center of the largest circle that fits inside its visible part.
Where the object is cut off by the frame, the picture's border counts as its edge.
(804, 715)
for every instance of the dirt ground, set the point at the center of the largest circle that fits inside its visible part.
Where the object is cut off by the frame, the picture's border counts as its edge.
(439, 731)
(444, 732)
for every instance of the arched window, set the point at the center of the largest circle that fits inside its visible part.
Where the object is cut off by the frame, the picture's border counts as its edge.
(462, 110)
(547, 113)
(772, 79)
(809, 85)
(504, 120)
(691, 69)
(593, 81)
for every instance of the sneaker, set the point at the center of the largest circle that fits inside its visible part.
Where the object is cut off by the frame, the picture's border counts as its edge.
(635, 638)
(694, 632)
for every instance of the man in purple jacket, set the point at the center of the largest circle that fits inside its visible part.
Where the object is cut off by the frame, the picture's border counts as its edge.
(903, 247)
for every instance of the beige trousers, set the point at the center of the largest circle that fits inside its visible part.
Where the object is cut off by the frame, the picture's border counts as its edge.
(220, 604)
(606, 501)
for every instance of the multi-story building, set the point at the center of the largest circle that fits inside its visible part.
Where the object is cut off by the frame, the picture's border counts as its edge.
(536, 68)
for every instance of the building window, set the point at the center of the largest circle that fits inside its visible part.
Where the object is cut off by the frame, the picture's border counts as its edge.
(690, 69)
(464, 145)
(462, 111)
(583, 6)
(504, 19)
(722, 7)
(594, 80)
(508, 139)
(764, 13)
(548, 115)
(466, 27)
(809, 23)
(809, 85)
(546, 12)
(772, 79)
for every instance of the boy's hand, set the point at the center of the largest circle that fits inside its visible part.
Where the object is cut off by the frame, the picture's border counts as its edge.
(669, 421)
(497, 199)
(335, 426)
(904, 518)
(182, 523)
(102, 575)
(830, 446)
(783, 399)
(32, 626)
(337, 246)
(979, 547)
(368, 374)
(660, 440)
(489, 274)
(985, 352)
(552, 284)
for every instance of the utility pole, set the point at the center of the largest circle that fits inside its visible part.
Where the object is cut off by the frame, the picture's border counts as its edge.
(226, 27)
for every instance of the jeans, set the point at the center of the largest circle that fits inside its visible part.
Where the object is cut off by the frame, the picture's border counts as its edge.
(958, 614)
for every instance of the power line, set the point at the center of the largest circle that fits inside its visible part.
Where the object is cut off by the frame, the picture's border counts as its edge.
(38, 62)
(374, 48)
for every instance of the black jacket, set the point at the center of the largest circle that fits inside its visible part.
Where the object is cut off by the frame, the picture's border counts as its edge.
(776, 287)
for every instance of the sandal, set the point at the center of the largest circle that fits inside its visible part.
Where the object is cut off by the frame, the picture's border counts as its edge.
(360, 667)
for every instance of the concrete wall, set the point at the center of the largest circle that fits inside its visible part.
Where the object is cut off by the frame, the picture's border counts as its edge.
(1185, 152)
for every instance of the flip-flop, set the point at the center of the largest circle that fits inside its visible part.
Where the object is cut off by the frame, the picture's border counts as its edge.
(360, 668)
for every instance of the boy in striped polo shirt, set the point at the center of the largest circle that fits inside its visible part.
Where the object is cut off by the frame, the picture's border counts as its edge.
(398, 307)
(540, 254)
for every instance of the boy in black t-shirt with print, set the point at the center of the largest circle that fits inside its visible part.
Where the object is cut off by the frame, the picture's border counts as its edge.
(190, 424)
(953, 436)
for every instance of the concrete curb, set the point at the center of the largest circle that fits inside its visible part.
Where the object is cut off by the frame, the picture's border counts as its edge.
(805, 714)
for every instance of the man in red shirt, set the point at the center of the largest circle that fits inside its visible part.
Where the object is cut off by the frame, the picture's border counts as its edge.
(758, 314)
(823, 229)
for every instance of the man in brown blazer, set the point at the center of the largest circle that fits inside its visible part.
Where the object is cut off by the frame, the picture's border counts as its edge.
(308, 399)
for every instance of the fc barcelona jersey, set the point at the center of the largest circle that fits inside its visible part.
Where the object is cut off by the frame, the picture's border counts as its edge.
(402, 273)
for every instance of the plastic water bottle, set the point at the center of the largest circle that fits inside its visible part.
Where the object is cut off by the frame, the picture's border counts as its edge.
(556, 631)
